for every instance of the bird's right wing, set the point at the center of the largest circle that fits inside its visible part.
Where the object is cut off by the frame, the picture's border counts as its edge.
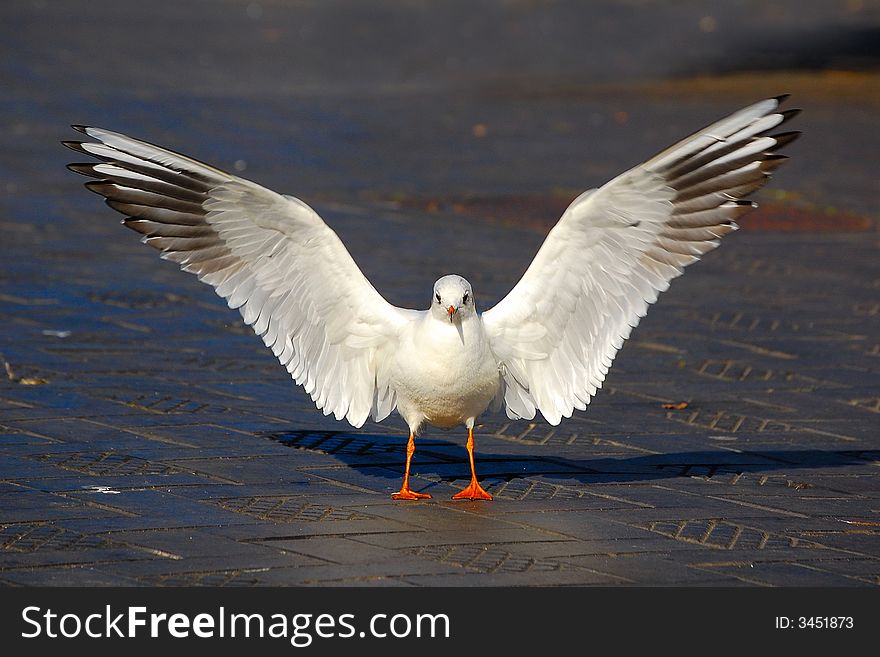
(270, 256)
(614, 250)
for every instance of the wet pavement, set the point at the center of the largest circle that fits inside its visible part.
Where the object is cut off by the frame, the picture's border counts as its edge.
(148, 438)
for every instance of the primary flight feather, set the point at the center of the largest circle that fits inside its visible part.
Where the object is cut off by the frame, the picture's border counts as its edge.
(546, 347)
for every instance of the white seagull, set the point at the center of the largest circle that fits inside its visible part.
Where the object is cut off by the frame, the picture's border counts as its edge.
(546, 346)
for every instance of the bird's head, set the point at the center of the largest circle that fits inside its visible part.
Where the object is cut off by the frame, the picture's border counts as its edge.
(453, 299)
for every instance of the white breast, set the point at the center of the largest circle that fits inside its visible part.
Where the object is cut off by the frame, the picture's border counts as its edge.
(444, 373)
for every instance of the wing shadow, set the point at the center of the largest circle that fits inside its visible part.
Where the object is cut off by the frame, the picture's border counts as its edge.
(446, 460)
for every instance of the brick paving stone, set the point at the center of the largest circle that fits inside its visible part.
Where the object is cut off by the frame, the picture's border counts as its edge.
(787, 574)
(68, 575)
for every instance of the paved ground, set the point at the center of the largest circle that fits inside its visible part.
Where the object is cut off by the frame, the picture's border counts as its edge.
(146, 437)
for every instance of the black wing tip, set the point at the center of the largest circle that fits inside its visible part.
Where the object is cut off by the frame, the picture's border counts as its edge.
(789, 114)
(97, 186)
(785, 138)
(781, 98)
(81, 128)
(74, 145)
(83, 168)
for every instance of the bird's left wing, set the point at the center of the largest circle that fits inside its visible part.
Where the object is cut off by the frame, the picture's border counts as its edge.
(270, 256)
(614, 250)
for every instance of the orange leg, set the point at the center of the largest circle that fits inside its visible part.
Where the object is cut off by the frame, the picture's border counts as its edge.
(405, 493)
(473, 491)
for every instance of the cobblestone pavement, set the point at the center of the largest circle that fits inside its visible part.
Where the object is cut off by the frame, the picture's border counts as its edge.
(148, 438)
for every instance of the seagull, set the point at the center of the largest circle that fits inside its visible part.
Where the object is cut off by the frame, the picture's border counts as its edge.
(545, 347)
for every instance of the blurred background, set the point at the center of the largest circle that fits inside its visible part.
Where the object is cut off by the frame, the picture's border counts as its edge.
(425, 102)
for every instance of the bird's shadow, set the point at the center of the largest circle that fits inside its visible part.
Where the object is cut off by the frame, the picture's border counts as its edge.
(445, 460)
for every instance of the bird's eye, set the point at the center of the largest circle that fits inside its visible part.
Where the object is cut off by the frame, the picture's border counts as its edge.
(438, 297)
(465, 298)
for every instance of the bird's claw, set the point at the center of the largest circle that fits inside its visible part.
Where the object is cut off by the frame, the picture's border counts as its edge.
(473, 492)
(407, 494)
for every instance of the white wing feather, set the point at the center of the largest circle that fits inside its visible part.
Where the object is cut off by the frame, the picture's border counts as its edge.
(270, 256)
(614, 250)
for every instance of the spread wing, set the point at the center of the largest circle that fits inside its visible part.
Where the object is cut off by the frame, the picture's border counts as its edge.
(270, 256)
(615, 249)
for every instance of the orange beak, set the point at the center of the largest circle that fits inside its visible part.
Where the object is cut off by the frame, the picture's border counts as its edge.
(451, 311)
